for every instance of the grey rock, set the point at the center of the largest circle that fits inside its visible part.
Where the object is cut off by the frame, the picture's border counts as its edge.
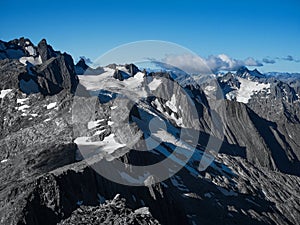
(82, 68)
(46, 51)
(112, 212)
(56, 74)
(10, 72)
(132, 69)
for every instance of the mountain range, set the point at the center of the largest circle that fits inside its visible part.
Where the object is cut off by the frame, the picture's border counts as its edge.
(233, 142)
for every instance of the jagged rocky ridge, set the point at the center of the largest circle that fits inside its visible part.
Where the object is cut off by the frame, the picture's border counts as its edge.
(113, 212)
(47, 71)
(45, 181)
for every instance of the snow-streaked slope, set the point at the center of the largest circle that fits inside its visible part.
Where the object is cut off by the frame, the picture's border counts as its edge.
(246, 90)
(138, 85)
(106, 81)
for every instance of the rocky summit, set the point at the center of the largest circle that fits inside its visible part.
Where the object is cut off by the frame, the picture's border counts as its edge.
(76, 143)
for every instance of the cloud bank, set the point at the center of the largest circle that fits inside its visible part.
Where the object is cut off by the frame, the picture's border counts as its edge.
(195, 64)
(214, 63)
(290, 58)
(268, 61)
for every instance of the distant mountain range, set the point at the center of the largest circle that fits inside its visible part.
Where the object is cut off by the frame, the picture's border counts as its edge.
(282, 75)
(232, 138)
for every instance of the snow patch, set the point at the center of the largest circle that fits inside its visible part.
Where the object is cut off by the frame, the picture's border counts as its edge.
(4, 92)
(51, 105)
(172, 103)
(122, 68)
(30, 50)
(154, 84)
(94, 82)
(210, 88)
(110, 123)
(133, 180)
(33, 60)
(109, 144)
(166, 137)
(21, 100)
(142, 211)
(23, 107)
(93, 124)
(98, 132)
(4, 160)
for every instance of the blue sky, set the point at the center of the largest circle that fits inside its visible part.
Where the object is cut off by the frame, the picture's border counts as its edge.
(240, 29)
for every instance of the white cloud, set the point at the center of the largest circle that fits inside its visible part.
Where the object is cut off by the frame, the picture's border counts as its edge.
(188, 62)
(195, 64)
(252, 62)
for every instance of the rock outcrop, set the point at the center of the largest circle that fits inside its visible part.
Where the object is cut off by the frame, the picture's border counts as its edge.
(41, 69)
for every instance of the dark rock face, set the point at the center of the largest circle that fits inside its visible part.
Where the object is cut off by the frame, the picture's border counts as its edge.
(82, 68)
(81, 63)
(45, 70)
(46, 51)
(132, 69)
(120, 75)
(264, 141)
(269, 124)
(243, 72)
(11, 49)
(242, 131)
(57, 74)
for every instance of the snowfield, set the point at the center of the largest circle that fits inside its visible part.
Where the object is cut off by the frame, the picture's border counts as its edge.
(246, 90)
(108, 145)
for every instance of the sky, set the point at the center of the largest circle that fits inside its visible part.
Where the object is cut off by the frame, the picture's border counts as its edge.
(263, 34)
